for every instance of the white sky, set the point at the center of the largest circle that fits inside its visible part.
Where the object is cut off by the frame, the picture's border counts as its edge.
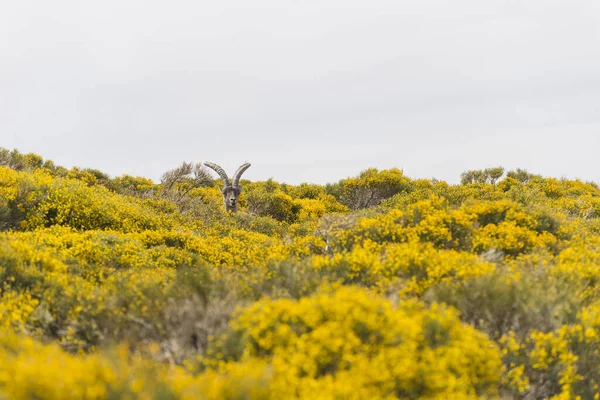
(306, 90)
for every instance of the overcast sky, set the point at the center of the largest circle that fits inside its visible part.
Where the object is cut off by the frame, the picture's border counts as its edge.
(305, 90)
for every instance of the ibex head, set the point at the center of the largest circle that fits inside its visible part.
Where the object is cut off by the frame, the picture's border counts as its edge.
(231, 191)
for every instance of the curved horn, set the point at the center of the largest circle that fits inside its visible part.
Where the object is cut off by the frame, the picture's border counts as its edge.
(219, 171)
(238, 174)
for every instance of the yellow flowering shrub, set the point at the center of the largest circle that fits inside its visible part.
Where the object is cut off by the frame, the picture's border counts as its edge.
(31, 370)
(8, 183)
(349, 343)
(419, 266)
(370, 187)
(16, 309)
(38, 199)
(475, 226)
(578, 264)
(354, 289)
(561, 364)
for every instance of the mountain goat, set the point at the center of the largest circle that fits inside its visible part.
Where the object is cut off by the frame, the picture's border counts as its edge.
(231, 191)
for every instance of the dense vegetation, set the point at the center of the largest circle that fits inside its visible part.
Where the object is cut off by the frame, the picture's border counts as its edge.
(377, 286)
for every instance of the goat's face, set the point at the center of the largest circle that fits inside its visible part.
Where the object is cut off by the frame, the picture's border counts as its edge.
(230, 196)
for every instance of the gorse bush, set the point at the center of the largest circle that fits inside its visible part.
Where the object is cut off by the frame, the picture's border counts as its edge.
(349, 343)
(377, 286)
(370, 188)
(38, 199)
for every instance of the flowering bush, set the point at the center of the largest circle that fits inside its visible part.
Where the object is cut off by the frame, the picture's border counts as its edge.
(377, 286)
(352, 344)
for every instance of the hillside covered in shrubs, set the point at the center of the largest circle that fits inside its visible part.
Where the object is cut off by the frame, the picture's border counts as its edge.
(377, 286)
